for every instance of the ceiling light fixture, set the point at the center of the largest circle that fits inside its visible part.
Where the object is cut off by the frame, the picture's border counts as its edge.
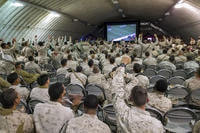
(115, 1)
(185, 5)
(120, 10)
(17, 4)
(54, 14)
(75, 20)
(123, 15)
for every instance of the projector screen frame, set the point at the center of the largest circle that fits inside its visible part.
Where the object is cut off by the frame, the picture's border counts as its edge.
(136, 22)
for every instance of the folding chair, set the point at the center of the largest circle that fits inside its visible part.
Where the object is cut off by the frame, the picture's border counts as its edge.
(190, 73)
(154, 79)
(154, 67)
(150, 73)
(178, 95)
(110, 117)
(195, 97)
(4, 76)
(179, 120)
(179, 65)
(30, 71)
(176, 80)
(52, 76)
(61, 78)
(165, 73)
(96, 90)
(49, 68)
(32, 104)
(75, 89)
(23, 107)
(180, 73)
(155, 113)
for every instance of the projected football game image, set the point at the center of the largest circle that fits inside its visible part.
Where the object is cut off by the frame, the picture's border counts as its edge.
(124, 32)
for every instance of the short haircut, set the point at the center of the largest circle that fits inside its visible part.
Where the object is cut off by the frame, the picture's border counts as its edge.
(137, 68)
(41, 43)
(17, 64)
(69, 57)
(189, 58)
(3, 45)
(30, 58)
(12, 77)
(139, 96)
(147, 54)
(8, 97)
(90, 63)
(91, 102)
(55, 91)
(42, 79)
(79, 69)
(172, 58)
(164, 51)
(198, 72)
(95, 69)
(161, 85)
(63, 62)
(112, 60)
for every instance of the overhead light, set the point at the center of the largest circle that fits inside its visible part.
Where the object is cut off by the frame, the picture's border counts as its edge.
(181, 1)
(167, 13)
(17, 4)
(75, 20)
(123, 15)
(115, 1)
(185, 5)
(54, 14)
(160, 19)
(120, 10)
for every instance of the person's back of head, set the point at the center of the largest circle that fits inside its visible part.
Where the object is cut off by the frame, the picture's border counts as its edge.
(90, 63)
(139, 96)
(95, 69)
(43, 79)
(85, 58)
(161, 86)
(91, 103)
(9, 98)
(147, 54)
(137, 68)
(189, 58)
(41, 43)
(17, 65)
(56, 91)
(127, 51)
(3, 45)
(30, 58)
(172, 58)
(165, 51)
(12, 78)
(69, 57)
(112, 60)
(79, 69)
(63, 62)
(117, 55)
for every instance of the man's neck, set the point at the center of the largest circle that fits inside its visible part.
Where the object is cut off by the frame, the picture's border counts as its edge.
(44, 86)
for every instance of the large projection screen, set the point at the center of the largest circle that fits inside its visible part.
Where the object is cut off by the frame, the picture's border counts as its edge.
(121, 32)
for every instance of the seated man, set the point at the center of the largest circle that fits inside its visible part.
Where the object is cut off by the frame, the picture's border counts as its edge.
(134, 118)
(78, 77)
(88, 122)
(52, 116)
(143, 80)
(157, 98)
(194, 82)
(71, 63)
(14, 80)
(149, 60)
(28, 77)
(31, 65)
(11, 120)
(191, 64)
(168, 64)
(108, 68)
(96, 77)
(41, 92)
(64, 68)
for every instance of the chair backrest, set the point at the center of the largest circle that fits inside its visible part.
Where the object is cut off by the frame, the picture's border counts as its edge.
(180, 73)
(4, 76)
(75, 89)
(95, 90)
(52, 76)
(179, 120)
(179, 65)
(49, 68)
(178, 92)
(61, 78)
(195, 97)
(190, 73)
(165, 73)
(22, 107)
(30, 71)
(32, 104)
(150, 72)
(109, 115)
(154, 67)
(176, 80)
(154, 79)
(155, 113)
(165, 67)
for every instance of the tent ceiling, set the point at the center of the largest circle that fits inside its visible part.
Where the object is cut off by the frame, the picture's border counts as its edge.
(28, 19)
